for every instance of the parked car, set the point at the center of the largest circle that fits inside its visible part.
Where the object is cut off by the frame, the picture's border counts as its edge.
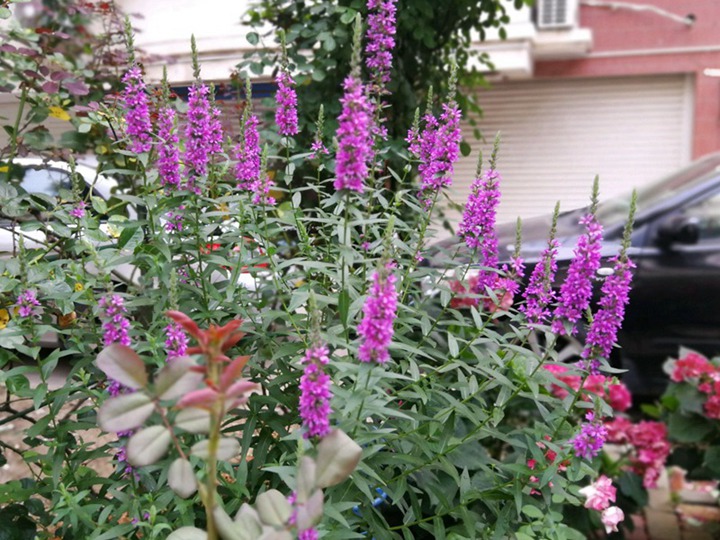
(675, 297)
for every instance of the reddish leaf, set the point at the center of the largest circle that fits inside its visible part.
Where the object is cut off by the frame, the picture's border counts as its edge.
(50, 87)
(203, 399)
(232, 371)
(76, 88)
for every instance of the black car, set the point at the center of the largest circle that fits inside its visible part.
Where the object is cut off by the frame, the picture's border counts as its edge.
(675, 297)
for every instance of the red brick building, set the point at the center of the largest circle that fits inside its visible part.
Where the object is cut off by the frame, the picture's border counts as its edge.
(629, 90)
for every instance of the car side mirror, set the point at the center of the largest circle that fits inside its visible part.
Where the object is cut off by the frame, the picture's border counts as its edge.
(679, 230)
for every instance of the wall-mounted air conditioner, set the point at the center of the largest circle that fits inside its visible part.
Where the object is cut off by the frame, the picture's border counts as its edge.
(556, 14)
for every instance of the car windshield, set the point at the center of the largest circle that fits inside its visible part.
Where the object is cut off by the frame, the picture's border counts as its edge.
(616, 210)
(46, 181)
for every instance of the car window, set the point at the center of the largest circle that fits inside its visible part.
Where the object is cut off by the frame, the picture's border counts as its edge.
(615, 210)
(46, 181)
(707, 215)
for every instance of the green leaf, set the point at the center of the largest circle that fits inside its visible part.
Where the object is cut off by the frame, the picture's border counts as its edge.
(533, 512)
(193, 420)
(125, 412)
(688, 429)
(99, 204)
(273, 508)
(188, 533)
(338, 455)
(123, 365)
(176, 379)
(181, 478)
(147, 446)
(227, 449)
(253, 38)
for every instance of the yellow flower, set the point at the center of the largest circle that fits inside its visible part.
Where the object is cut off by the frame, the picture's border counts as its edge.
(4, 318)
(79, 287)
(59, 112)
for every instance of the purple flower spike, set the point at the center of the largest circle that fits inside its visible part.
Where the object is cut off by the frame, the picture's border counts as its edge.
(286, 116)
(606, 323)
(589, 442)
(201, 135)
(478, 224)
(28, 304)
(115, 323)
(78, 210)
(168, 163)
(437, 147)
(380, 39)
(137, 115)
(539, 293)
(176, 341)
(354, 137)
(379, 312)
(315, 393)
(247, 152)
(262, 188)
(576, 291)
(308, 534)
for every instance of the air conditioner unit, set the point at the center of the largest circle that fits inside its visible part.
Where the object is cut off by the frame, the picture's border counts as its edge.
(556, 14)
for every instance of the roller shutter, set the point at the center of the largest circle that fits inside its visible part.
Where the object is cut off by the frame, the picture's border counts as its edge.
(558, 134)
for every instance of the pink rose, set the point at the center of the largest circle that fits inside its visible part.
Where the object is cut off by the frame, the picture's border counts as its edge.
(599, 494)
(611, 517)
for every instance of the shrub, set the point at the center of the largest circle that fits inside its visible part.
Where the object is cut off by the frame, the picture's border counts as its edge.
(462, 432)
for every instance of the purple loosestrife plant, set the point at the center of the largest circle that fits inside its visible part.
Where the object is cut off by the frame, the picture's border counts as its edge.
(286, 117)
(354, 137)
(262, 186)
(539, 293)
(608, 319)
(247, 151)
(315, 393)
(198, 135)
(477, 226)
(379, 312)
(27, 303)
(590, 440)
(356, 126)
(318, 147)
(168, 163)
(137, 113)
(116, 325)
(615, 295)
(380, 41)
(576, 291)
(437, 146)
(78, 210)
(176, 341)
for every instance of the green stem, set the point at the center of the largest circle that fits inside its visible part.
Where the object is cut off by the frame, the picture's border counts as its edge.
(16, 126)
